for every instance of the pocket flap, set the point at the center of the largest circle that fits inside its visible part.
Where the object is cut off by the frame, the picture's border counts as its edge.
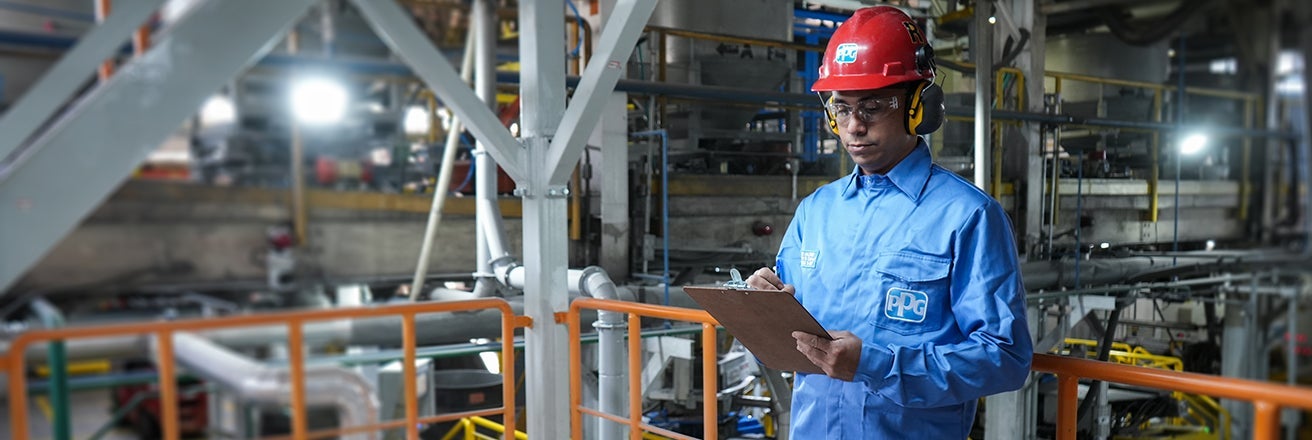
(912, 267)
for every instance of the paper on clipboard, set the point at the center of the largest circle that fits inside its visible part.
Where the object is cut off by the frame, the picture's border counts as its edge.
(763, 320)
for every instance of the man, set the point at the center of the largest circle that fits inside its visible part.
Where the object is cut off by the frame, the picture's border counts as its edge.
(912, 268)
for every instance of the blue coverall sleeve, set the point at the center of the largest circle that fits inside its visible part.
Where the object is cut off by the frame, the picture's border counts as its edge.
(988, 305)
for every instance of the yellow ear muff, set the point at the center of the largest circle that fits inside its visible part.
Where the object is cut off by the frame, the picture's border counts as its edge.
(829, 117)
(915, 107)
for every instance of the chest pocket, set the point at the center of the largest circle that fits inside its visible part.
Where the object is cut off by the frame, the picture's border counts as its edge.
(913, 292)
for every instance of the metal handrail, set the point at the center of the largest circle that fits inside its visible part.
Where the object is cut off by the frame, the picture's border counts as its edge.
(13, 359)
(636, 311)
(1267, 398)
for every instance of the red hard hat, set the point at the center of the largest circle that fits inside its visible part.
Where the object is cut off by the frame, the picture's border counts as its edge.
(875, 48)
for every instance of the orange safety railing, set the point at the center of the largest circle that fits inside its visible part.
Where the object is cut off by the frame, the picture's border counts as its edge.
(1267, 398)
(168, 391)
(636, 311)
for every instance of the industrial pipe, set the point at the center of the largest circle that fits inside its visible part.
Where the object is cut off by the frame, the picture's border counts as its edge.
(487, 211)
(431, 328)
(983, 53)
(255, 382)
(51, 317)
(441, 188)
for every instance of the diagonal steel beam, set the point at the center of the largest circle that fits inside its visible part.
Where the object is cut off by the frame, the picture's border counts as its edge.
(395, 27)
(73, 69)
(79, 160)
(598, 81)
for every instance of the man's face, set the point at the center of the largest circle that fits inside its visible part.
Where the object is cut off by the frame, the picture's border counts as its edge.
(871, 127)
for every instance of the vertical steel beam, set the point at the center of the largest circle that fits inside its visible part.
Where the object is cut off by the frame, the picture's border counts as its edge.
(56, 85)
(612, 135)
(983, 99)
(81, 158)
(542, 100)
(596, 84)
(1032, 60)
(396, 28)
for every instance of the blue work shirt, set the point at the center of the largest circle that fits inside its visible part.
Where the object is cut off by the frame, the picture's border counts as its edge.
(922, 266)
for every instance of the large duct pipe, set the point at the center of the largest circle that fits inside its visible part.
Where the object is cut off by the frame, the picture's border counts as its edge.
(255, 382)
(430, 328)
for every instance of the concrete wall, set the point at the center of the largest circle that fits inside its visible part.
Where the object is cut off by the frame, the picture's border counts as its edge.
(170, 233)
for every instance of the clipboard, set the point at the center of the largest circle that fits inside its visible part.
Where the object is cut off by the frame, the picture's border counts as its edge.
(763, 320)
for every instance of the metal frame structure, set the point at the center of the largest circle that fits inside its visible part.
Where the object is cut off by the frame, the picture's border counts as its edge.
(138, 107)
(71, 167)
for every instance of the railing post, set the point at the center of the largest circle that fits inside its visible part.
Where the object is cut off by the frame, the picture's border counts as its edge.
(408, 371)
(296, 365)
(635, 377)
(1266, 421)
(508, 372)
(1067, 393)
(168, 386)
(710, 381)
(575, 373)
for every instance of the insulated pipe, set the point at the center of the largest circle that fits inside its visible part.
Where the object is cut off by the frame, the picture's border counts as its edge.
(983, 79)
(612, 383)
(431, 329)
(441, 188)
(488, 227)
(255, 382)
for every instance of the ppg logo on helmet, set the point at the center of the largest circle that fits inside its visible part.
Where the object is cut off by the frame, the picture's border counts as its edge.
(906, 305)
(845, 54)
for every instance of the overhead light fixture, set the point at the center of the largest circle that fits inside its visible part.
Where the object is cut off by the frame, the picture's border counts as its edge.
(993, 20)
(319, 100)
(217, 110)
(417, 122)
(1193, 144)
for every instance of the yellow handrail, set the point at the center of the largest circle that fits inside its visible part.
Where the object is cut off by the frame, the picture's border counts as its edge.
(469, 427)
(13, 360)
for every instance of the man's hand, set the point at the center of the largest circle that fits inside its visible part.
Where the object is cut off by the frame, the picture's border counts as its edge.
(838, 358)
(766, 279)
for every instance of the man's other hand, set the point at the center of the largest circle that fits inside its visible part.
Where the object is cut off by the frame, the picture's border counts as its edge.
(766, 279)
(838, 358)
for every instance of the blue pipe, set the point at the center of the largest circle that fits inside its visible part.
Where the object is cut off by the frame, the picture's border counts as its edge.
(665, 203)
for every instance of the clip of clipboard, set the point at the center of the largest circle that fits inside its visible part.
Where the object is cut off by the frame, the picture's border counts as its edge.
(763, 320)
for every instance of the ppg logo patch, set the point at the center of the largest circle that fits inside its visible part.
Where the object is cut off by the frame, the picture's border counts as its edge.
(808, 259)
(846, 53)
(906, 305)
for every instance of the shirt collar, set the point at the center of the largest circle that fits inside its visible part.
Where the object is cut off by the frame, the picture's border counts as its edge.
(909, 175)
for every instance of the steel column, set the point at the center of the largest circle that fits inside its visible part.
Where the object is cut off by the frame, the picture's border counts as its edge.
(485, 166)
(542, 99)
(397, 29)
(612, 136)
(596, 84)
(74, 165)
